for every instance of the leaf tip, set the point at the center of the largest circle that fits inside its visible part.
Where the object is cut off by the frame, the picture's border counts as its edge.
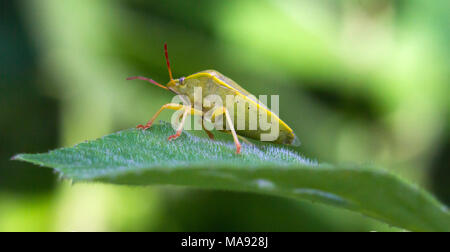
(17, 157)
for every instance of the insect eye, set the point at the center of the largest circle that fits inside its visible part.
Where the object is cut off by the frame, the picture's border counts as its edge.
(182, 81)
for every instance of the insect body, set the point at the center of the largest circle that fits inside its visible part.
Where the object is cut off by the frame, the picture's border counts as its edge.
(214, 83)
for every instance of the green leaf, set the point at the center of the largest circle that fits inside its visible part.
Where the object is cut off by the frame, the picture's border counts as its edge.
(136, 157)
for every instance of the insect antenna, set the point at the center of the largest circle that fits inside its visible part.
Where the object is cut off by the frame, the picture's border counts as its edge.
(147, 79)
(167, 60)
(152, 81)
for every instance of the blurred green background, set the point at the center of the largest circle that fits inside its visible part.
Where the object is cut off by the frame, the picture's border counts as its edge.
(360, 81)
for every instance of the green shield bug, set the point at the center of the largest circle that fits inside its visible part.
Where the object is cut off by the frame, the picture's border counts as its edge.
(215, 83)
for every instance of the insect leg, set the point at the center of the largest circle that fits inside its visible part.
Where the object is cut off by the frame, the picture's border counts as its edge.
(210, 135)
(173, 106)
(243, 139)
(224, 110)
(180, 127)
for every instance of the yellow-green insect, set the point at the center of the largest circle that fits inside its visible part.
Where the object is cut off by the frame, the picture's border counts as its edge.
(214, 83)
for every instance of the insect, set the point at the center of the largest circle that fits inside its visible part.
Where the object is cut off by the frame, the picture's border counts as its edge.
(213, 82)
